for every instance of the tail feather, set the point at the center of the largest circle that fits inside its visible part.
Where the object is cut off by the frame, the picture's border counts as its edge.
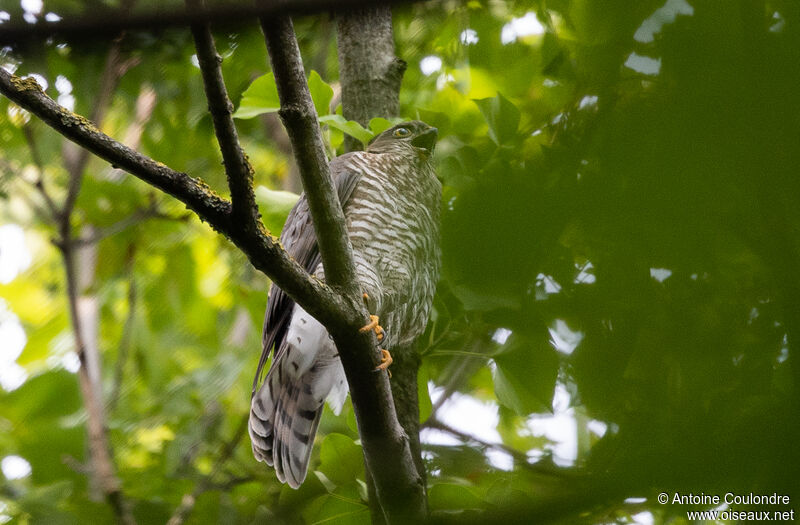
(284, 417)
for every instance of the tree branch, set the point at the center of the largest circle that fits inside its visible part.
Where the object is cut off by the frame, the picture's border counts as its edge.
(207, 482)
(387, 451)
(369, 71)
(110, 22)
(39, 182)
(237, 167)
(263, 250)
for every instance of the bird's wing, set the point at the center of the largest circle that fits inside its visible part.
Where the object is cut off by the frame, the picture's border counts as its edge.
(299, 239)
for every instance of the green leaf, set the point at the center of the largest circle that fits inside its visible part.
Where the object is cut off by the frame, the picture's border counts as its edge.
(321, 93)
(525, 375)
(260, 97)
(448, 496)
(378, 125)
(351, 127)
(275, 206)
(502, 117)
(341, 458)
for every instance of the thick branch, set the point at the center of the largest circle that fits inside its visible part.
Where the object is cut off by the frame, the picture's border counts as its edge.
(110, 22)
(237, 167)
(386, 447)
(369, 71)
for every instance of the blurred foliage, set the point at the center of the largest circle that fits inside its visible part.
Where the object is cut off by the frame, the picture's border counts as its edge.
(621, 223)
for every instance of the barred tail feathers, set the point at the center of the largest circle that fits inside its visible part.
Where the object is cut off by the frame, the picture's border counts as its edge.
(285, 413)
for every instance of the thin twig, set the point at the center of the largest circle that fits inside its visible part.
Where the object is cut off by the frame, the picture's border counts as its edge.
(207, 482)
(127, 331)
(27, 132)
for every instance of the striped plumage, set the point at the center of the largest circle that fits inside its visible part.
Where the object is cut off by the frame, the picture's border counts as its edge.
(390, 196)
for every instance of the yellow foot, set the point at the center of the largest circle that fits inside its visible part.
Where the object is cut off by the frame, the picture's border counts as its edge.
(373, 325)
(386, 360)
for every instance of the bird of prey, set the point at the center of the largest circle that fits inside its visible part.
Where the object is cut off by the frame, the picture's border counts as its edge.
(391, 198)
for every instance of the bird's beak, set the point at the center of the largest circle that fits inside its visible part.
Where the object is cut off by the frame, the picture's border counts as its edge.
(426, 140)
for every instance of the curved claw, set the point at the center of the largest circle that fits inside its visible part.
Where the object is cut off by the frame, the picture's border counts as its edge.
(386, 360)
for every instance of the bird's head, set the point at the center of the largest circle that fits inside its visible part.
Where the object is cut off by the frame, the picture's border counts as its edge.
(414, 133)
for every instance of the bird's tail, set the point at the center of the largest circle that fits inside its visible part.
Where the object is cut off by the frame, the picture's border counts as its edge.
(285, 413)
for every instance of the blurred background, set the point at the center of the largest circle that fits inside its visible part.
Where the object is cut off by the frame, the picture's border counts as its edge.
(619, 310)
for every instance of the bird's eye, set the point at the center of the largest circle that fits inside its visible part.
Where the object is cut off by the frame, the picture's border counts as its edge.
(401, 132)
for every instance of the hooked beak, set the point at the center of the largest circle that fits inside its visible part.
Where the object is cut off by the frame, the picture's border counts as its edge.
(426, 140)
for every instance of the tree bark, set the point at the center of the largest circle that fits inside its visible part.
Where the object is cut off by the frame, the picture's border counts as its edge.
(369, 71)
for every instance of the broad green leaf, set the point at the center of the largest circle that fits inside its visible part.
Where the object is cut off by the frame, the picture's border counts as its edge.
(378, 125)
(351, 127)
(448, 496)
(502, 117)
(275, 206)
(341, 458)
(260, 97)
(321, 93)
(525, 375)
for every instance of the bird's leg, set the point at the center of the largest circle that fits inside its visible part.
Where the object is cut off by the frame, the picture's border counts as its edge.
(386, 357)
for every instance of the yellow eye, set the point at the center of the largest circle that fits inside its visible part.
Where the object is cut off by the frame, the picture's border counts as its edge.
(401, 132)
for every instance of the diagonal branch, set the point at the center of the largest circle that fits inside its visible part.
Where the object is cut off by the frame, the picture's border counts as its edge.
(387, 451)
(263, 250)
(237, 167)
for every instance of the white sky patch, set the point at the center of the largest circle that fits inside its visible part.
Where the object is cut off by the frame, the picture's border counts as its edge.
(443, 79)
(67, 100)
(550, 285)
(14, 254)
(63, 85)
(430, 65)
(643, 518)
(71, 362)
(5, 16)
(32, 6)
(643, 64)
(596, 427)
(15, 467)
(635, 501)
(501, 335)
(468, 37)
(663, 15)
(52, 17)
(561, 428)
(13, 338)
(470, 416)
(584, 276)
(195, 62)
(587, 101)
(519, 27)
(660, 274)
(549, 82)
(564, 339)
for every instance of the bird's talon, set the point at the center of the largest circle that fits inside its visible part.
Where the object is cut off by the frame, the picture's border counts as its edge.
(386, 360)
(372, 325)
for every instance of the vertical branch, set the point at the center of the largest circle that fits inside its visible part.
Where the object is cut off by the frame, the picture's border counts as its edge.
(99, 451)
(370, 76)
(369, 71)
(387, 451)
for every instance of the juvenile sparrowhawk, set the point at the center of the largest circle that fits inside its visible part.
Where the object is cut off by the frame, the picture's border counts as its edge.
(391, 197)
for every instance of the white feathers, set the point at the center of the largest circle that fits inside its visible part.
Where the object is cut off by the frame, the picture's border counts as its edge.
(306, 339)
(285, 411)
